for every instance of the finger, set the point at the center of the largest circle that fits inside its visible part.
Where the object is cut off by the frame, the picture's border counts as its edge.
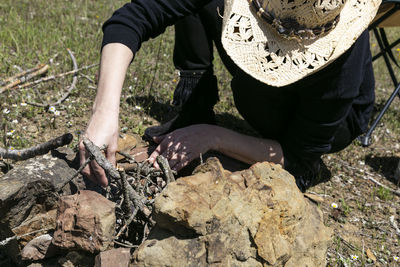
(158, 151)
(159, 139)
(180, 165)
(98, 174)
(83, 155)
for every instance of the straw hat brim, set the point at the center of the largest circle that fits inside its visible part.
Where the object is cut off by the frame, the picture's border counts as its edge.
(261, 52)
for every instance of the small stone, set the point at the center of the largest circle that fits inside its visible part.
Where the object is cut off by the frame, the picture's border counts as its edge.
(118, 257)
(39, 248)
(32, 129)
(75, 258)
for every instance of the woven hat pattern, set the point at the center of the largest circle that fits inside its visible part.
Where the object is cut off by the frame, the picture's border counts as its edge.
(257, 48)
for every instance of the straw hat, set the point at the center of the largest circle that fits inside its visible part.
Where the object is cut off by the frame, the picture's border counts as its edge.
(281, 41)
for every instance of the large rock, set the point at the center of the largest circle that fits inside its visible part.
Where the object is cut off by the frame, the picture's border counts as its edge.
(28, 192)
(256, 217)
(85, 221)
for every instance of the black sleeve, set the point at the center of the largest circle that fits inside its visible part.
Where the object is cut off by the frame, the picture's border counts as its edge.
(140, 20)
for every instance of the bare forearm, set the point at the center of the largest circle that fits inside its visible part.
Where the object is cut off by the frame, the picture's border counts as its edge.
(115, 60)
(246, 148)
(102, 128)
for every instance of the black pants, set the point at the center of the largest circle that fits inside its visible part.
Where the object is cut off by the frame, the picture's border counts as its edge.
(193, 52)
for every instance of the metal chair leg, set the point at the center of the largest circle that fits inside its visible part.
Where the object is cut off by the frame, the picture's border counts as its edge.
(366, 139)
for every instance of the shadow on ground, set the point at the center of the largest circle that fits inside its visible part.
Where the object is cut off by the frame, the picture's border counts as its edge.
(383, 165)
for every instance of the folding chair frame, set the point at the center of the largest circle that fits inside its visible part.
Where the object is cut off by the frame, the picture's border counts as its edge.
(386, 52)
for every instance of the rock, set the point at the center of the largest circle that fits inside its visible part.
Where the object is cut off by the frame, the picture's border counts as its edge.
(28, 190)
(118, 257)
(39, 248)
(40, 221)
(125, 144)
(85, 221)
(255, 217)
(76, 259)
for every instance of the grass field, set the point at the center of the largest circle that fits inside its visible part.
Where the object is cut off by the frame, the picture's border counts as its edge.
(33, 32)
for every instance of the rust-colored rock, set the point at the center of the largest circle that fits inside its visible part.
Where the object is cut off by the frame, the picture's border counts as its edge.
(118, 257)
(256, 217)
(85, 221)
(39, 248)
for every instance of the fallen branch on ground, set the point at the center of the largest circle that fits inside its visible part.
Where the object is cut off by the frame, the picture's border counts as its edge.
(69, 90)
(23, 73)
(26, 78)
(40, 149)
(53, 77)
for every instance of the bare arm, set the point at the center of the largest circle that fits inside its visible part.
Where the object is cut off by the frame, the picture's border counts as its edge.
(102, 128)
(247, 148)
(184, 145)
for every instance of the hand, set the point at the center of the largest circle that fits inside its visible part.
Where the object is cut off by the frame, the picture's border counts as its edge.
(184, 145)
(101, 130)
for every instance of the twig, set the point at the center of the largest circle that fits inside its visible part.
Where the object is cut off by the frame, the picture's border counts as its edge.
(69, 90)
(40, 149)
(127, 223)
(347, 243)
(166, 169)
(126, 155)
(53, 77)
(125, 245)
(127, 201)
(23, 73)
(87, 77)
(100, 159)
(23, 79)
(88, 160)
(7, 240)
(112, 172)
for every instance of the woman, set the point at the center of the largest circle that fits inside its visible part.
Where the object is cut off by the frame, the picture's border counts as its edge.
(302, 78)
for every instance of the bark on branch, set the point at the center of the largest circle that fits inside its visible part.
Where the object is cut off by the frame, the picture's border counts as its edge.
(40, 149)
(113, 173)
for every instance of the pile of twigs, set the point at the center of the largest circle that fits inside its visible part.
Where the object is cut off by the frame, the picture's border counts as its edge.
(133, 189)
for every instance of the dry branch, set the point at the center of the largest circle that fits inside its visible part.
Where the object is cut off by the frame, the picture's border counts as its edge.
(69, 90)
(40, 149)
(127, 223)
(88, 160)
(113, 173)
(53, 77)
(23, 73)
(26, 78)
(164, 165)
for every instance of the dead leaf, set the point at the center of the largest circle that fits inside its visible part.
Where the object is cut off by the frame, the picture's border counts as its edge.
(371, 255)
